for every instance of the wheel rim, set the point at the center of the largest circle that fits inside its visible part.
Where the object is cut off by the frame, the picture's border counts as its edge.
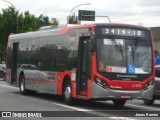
(67, 93)
(22, 85)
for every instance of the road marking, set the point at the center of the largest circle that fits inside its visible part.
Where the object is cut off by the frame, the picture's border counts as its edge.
(71, 107)
(140, 106)
(121, 118)
(89, 110)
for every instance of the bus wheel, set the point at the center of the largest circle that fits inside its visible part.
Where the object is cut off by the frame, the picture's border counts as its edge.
(23, 90)
(149, 102)
(67, 93)
(119, 102)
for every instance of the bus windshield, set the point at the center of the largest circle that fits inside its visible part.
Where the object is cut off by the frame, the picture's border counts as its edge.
(131, 56)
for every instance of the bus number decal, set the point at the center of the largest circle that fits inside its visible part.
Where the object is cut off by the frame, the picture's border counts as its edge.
(113, 31)
(139, 33)
(123, 32)
(107, 31)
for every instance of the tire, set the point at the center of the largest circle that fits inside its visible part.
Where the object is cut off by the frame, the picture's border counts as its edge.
(23, 90)
(119, 102)
(67, 93)
(149, 102)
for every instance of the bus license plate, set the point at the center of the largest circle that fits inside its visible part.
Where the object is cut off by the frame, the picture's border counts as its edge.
(125, 96)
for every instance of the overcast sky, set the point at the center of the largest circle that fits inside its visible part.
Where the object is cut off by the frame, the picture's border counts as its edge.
(144, 12)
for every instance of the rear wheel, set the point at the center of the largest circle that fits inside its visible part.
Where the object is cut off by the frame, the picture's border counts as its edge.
(119, 102)
(67, 93)
(23, 90)
(149, 102)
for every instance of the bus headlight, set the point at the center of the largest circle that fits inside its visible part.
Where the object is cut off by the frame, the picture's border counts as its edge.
(148, 85)
(101, 83)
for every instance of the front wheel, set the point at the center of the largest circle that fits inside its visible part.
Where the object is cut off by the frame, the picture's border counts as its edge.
(149, 102)
(119, 102)
(67, 93)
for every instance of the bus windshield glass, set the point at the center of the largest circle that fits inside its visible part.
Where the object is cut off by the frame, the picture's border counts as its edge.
(129, 56)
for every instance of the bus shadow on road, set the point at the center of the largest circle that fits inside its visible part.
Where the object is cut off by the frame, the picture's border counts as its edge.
(85, 104)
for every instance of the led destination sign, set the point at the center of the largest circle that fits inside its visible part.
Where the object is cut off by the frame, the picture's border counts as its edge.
(123, 32)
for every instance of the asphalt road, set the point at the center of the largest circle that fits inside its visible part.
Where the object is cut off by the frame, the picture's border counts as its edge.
(53, 107)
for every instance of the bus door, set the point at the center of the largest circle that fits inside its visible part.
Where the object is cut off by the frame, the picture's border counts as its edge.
(14, 63)
(83, 71)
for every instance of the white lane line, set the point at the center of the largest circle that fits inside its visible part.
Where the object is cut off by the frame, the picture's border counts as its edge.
(121, 118)
(71, 107)
(139, 106)
(146, 108)
(87, 110)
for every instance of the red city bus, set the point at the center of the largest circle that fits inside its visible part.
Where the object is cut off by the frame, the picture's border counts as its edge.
(90, 62)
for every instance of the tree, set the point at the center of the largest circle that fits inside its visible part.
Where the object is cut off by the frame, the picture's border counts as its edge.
(42, 21)
(7, 25)
(73, 19)
(26, 22)
(55, 21)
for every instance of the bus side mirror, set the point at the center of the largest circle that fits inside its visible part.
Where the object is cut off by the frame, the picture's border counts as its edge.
(92, 46)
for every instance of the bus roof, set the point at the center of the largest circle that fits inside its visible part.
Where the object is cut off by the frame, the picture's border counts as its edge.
(63, 30)
(121, 25)
(45, 32)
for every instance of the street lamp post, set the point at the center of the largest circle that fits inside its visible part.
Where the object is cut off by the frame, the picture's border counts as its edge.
(17, 16)
(76, 7)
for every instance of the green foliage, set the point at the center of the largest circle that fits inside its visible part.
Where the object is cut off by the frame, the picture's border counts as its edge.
(55, 22)
(7, 26)
(28, 22)
(73, 19)
(11, 21)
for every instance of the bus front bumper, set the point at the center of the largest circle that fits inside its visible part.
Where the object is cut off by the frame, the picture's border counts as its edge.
(98, 92)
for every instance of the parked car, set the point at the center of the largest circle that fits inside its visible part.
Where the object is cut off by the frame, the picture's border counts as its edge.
(157, 87)
(3, 72)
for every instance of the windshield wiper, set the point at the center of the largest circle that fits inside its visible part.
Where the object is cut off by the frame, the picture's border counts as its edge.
(118, 47)
(134, 48)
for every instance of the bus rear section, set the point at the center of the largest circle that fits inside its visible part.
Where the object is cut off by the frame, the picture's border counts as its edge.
(90, 62)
